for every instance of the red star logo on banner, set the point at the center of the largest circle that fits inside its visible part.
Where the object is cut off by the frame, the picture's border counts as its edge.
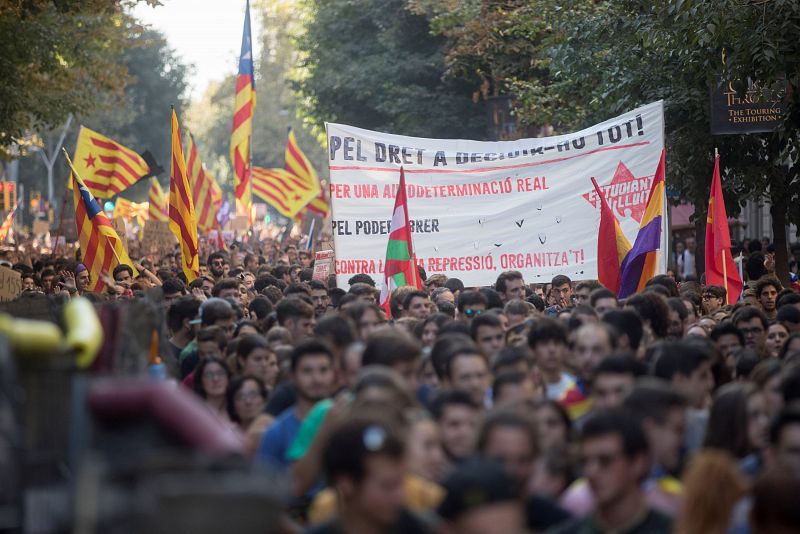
(89, 160)
(626, 194)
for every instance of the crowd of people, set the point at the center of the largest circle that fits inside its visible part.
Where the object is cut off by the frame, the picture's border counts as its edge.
(510, 408)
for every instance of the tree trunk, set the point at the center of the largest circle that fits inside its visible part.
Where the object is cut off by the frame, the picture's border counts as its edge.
(778, 212)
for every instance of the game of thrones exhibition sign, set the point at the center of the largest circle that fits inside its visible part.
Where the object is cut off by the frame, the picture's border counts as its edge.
(479, 208)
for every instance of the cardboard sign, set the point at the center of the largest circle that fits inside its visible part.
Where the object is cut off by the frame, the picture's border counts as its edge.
(10, 284)
(240, 223)
(118, 223)
(158, 238)
(323, 261)
(40, 227)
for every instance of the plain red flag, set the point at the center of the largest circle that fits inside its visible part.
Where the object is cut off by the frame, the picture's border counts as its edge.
(720, 268)
(612, 245)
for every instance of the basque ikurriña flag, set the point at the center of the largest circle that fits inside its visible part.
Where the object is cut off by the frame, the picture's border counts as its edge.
(640, 264)
(612, 245)
(400, 267)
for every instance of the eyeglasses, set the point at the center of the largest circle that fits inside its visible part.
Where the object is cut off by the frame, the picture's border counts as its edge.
(214, 375)
(746, 332)
(247, 395)
(709, 296)
(469, 312)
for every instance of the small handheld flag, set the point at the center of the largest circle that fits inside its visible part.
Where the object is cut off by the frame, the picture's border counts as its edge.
(400, 267)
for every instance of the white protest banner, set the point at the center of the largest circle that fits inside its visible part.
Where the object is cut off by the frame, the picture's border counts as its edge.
(479, 208)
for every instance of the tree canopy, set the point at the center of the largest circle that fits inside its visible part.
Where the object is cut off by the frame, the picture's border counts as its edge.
(58, 58)
(374, 64)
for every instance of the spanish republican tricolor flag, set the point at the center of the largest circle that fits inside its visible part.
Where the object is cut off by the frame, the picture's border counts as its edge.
(159, 202)
(641, 263)
(182, 219)
(612, 245)
(400, 267)
(720, 267)
(242, 130)
(106, 166)
(101, 247)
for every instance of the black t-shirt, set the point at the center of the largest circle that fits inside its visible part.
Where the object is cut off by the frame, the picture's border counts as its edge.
(280, 398)
(543, 513)
(652, 523)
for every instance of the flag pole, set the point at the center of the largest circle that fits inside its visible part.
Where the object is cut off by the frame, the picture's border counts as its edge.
(415, 270)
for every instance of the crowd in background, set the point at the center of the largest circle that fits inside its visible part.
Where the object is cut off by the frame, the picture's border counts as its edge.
(515, 407)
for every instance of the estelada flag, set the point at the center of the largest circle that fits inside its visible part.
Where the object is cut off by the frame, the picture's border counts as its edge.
(612, 245)
(242, 129)
(182, 218)
(720, 268)
(400, 267)
(106, 167)
(101, 248)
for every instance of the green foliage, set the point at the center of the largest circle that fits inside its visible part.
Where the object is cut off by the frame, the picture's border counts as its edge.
(374, 64)
(57, 58)
(138, 117)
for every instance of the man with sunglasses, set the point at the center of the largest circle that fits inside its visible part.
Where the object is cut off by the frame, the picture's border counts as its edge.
(216, 265)
(615, 459)
(471, 304)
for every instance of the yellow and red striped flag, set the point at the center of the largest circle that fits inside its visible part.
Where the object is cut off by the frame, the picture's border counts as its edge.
(182, 219)
(101, 247)
(282, 190)
(132, 210)
(296, 162)
(206, 193)
(9, 220)
(106, 166)
(242, 130)
(158, 201)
